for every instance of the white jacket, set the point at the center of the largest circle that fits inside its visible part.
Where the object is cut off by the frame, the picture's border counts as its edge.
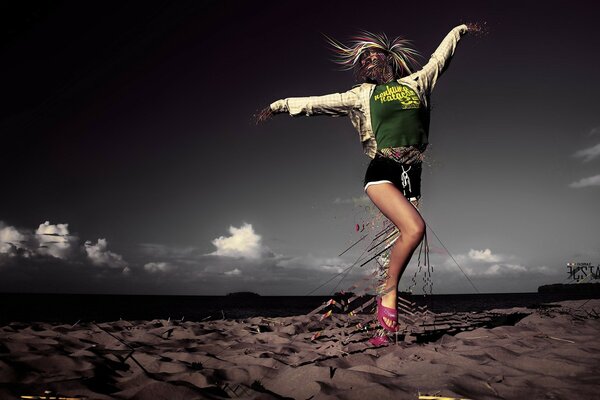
(356, 102)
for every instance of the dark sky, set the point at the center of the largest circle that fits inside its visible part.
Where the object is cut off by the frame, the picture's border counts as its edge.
(131, 122)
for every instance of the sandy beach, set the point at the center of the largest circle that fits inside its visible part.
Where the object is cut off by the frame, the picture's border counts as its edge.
(552, 352)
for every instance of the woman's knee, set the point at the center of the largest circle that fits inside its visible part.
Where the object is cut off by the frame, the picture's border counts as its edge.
(414, 231)
(398, 209)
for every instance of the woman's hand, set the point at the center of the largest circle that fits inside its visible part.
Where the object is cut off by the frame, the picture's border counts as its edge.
(477, 29)
(263, 115)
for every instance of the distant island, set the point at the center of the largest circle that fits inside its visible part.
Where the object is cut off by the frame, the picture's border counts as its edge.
(579, 288)
(243, 294)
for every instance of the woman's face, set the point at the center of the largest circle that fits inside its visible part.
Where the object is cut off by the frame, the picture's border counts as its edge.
(374, 66)
(370, 58)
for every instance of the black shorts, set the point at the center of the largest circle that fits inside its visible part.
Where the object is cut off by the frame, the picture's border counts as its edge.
(406, 177)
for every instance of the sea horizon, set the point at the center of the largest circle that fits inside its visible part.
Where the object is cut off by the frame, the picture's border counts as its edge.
(73, 307)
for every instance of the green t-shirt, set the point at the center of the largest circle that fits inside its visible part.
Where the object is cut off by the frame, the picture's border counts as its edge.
(398, 117)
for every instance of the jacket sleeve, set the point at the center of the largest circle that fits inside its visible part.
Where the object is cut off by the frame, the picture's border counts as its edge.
(440, 59)
(335, 105)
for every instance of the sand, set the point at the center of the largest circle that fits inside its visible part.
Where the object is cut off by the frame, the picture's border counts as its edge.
(550, 353)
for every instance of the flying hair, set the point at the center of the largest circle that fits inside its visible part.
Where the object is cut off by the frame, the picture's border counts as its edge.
(402, 55)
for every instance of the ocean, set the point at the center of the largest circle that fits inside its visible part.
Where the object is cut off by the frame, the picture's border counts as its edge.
(70, 308)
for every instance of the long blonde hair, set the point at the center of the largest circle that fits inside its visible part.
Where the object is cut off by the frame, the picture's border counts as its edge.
(400, 54)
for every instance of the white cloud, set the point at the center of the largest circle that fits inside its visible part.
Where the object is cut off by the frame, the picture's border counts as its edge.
(502, 269)
(588, 154)
(54, 240)
(100, 255)
(242, 242)
(484, 263)
(484, 255)
(50, 257)
(233, 272)
(158, 267)
(49, 239)
(585, 182)
(506, 270)
(11, 240)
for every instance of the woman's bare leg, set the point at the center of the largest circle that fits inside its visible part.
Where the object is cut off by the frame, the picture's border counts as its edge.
(407, 219)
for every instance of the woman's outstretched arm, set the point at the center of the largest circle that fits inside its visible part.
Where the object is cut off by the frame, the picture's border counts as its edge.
(335, 105)
(440, 59)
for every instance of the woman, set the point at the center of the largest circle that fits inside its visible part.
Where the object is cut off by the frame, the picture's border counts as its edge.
(390, 110)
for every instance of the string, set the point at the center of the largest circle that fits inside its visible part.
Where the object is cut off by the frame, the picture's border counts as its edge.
(452, 257)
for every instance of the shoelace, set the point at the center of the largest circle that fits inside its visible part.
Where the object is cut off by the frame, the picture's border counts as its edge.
(405, 178)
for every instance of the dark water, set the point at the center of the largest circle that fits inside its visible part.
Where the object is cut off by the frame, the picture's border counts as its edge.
(69, 308)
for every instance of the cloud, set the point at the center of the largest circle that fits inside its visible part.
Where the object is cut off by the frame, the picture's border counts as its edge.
(54, 240)
(586, 182)
(588, 154)
(310, 262)
(242, 242)
(501, 269)
(233, 272)
(11, 240)
(100, 255)
(484, 263)
(508, 270)
(268, 274)
(158, 267)
(488, 271)
(173, 252)
(241, 262)
(50, 259)
(484, 255)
